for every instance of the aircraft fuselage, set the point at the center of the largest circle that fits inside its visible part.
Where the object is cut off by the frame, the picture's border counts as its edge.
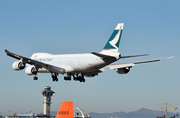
(74, 63)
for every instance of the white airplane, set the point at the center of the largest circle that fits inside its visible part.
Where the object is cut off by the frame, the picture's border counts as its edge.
(78, 65)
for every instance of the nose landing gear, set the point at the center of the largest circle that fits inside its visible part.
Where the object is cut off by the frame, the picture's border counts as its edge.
(35, 78)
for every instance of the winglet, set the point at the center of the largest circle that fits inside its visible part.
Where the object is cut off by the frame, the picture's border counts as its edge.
(65, 110)
(6, 51)
(13, 55)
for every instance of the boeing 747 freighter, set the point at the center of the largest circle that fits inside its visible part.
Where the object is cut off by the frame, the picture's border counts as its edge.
(78, 65)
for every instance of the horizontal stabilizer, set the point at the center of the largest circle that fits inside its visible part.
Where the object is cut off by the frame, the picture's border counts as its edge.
(102, 55)
(134, 56)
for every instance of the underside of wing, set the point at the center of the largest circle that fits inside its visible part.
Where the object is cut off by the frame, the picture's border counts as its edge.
(121, 65)
(130, 64)
(124, 68)
(37, 64)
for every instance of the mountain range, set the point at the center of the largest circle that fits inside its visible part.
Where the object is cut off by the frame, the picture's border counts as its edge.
(141, 113)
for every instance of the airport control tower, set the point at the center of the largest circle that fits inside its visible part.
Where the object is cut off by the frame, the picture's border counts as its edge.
(47, 93)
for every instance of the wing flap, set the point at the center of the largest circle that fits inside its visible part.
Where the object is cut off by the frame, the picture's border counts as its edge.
(56, 69)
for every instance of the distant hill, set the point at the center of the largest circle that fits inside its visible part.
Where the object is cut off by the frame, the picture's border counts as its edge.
(141, 113)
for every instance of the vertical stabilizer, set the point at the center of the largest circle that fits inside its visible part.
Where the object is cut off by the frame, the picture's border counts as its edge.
(65, 110)
(113, 43)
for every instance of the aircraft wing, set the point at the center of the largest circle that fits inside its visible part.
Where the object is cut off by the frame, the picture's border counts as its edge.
(130, 64)
(38, 64)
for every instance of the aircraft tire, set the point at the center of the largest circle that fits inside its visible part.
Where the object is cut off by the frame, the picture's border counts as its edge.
(75, 79)
(53, 78)
(35, 78)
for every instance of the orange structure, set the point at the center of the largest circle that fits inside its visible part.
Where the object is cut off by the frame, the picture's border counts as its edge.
(65, 110)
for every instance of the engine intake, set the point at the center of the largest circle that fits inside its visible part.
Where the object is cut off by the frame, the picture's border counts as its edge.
(123, 70)
(18, 65)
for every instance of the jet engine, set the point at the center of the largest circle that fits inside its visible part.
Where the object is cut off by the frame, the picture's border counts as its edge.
(31, 70)
(18, 65)
(123, 70)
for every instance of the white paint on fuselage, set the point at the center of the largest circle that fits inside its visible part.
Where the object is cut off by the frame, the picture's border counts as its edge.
(73, 63)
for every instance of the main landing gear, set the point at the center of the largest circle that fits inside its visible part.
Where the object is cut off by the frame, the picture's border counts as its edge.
(79, 78)
(68, 78)
(54, 77)
(76, 77)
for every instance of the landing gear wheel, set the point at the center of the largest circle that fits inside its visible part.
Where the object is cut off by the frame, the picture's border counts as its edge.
(69, 78)
(75, 78)
(81, 78)
(54, 77)
(35, 78)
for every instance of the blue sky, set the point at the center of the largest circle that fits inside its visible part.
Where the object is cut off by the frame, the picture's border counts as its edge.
(80, 26)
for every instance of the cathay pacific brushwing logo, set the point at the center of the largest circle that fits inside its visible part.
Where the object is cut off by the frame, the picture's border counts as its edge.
(115, 40)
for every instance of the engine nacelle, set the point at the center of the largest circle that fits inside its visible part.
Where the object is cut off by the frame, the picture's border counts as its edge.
(18, 65)
(31, 70)
(123, 70)
(91, 75)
